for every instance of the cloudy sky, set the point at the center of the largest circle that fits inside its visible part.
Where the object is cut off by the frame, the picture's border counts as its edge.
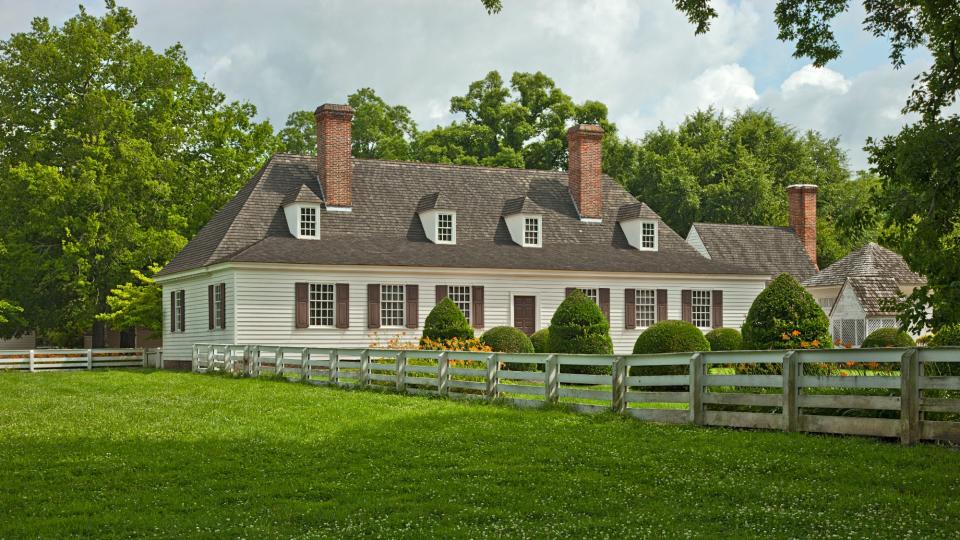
(640, 57)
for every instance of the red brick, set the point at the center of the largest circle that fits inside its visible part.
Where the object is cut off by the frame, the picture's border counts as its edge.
(584, 169)
(334, 162)
(803, 216)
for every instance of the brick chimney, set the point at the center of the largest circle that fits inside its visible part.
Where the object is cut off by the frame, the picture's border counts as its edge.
(803, 216)
(583, 169)
(334, 162)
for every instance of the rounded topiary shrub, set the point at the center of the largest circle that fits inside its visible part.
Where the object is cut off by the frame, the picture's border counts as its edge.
(541, 340)
(579, 327)
(667, 337)
(786, 316)
(508, 339)
(887, 337)
(725, 339)
(446, 321)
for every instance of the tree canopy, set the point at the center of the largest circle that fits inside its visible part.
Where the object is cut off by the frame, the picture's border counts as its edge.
(111, 156)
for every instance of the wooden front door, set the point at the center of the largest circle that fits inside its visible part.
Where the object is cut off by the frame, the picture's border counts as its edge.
(524, 313)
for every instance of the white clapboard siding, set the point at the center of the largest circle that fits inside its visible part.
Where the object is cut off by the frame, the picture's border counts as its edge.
(178, 345)
(261, 301)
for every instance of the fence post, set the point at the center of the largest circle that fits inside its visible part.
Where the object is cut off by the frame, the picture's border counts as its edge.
(909, 397)
(791, 376)
(334, 367)
(32, 368)
(304, 364)
(90, 359)
(209, 357)
(696, 389)
(443, 374)
(143, 356)
(365, 368)
(551, 381)
(257, 362)
(493, 366)
(195, 361)
(619, 385)
(402, 371)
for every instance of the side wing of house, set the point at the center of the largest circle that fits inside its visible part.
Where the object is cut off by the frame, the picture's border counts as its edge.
(359, 307)
(848, 318)
(197, 308)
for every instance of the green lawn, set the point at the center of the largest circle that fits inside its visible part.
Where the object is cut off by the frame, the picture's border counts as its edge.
(139, 453)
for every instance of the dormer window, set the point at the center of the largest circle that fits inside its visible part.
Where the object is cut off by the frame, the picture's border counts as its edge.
(531, 232)
(446, 228)
(308, 221)
(648, 235)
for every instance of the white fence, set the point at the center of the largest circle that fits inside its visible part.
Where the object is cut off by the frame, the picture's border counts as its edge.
(75, 359)
(912, 394)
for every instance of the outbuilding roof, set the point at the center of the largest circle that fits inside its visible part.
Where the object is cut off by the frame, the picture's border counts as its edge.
(872, 260)
(383, 229)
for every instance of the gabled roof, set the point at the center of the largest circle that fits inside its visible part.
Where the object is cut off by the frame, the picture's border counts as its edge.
(307, 193)
(383, 228)
(763, 249)
(522, 205)
(872, 260)
(636, 210)
(434, 201)
(871, 292)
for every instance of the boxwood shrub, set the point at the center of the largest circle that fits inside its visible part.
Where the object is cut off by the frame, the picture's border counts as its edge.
(946, 336)
(725, 339)
(888, 337)
(579, 327)
(541, 340)
(786, 316)
(446, 321)
(508, 339)
(667, 337)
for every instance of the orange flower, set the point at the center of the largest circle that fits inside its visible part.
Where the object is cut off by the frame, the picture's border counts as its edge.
(785, 337)
(815, 343)
(850, 363)
(795, 333)
(804, 344)
(873, 365)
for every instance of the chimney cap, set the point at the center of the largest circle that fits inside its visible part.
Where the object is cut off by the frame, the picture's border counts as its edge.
(803, 187)
(586, 129)
(333, 108)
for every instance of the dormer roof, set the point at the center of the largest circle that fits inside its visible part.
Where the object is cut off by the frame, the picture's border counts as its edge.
(638, 210)
(522, 205)
(306, 193)
(434, 201)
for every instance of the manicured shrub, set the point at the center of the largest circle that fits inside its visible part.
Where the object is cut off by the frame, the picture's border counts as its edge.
(887, 337)
(667, 337)
(786, 316)
(541, 340)
(445, 322)
(725, 339)
(946, 336)
(508, 339)
(579, 327)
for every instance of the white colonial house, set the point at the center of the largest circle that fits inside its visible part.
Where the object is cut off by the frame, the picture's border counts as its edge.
(333, 251)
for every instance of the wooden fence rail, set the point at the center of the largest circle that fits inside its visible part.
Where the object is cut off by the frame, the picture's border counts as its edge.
(911, 394)
(75, 359)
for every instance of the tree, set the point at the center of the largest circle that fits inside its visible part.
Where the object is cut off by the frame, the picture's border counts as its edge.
(734, 169)
(380, 130)
(111, 155)
(136, 303)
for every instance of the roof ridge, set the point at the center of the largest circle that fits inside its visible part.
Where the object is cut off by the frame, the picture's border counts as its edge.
(783, 227)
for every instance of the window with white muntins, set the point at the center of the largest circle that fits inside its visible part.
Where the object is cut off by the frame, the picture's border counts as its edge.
(308, 221)
(461, 296)
(648, 235)
(392, 306)
(701, 307)
(531, 231)
(322, 304)
(217, 306)
(592, 294)
(646, 305)
(178, 307)
(446, 229)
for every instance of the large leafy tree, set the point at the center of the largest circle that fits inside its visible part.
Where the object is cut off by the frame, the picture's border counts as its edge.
(111, 156)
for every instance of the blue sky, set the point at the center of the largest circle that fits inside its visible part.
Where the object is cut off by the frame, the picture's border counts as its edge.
(640, 57)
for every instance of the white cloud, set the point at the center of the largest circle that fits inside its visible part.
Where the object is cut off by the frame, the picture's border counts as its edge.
(728, 87)
(813, 78)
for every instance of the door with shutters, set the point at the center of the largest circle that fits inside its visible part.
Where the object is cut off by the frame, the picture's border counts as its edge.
(524, 314)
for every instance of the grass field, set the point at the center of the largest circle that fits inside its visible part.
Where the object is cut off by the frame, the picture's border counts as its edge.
(139, 453)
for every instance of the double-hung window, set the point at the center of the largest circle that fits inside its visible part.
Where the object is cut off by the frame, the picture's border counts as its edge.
(646, 305)
(179, 305)
(392, 306)
(648, 235)
(308, 221)
(592, 294)
(322, 304)
(218, 306)
(531, 231)
(461, 296)
(701, 307)
(446, 229)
